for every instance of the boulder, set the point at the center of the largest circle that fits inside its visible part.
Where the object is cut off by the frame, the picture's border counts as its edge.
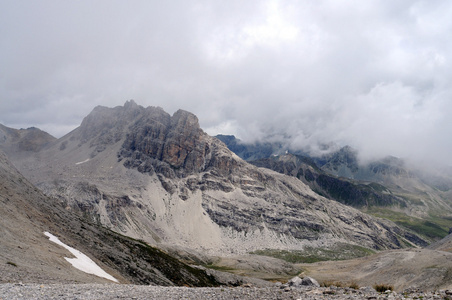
(309, 281)
(295, 282)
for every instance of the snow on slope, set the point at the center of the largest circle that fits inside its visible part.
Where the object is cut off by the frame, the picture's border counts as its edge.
(81, 261)
(82, 162)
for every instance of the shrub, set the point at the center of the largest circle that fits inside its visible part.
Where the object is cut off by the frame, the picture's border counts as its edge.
(331, 283)
(353, 285)
(381, 288)
(11, 263)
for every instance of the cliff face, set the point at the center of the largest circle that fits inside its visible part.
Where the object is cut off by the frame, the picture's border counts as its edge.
(160, 178)
(350, 192)
(151, 140)
(177, 141)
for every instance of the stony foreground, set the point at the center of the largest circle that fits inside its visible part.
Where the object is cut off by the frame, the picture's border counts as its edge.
(118, 291)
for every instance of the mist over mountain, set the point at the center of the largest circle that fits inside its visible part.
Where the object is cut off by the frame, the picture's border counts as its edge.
(413, 195)
(302, 74)
(139, 179)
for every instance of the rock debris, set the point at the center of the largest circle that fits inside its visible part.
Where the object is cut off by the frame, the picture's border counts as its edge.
(127, 291)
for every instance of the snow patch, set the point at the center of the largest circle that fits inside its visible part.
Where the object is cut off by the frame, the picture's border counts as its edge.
(81, 261)
(81, 162)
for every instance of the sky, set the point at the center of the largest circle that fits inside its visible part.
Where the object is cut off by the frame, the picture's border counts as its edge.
(375, 75)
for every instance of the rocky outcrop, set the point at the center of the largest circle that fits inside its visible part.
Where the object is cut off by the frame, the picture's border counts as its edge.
(299, 282)
(353, 193)
(174, 146)
(176, 141)
(341, 162)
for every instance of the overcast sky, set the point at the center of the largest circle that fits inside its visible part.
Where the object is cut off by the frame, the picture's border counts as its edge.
(376, 75)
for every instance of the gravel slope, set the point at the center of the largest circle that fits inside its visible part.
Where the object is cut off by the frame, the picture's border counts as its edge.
(117, 291)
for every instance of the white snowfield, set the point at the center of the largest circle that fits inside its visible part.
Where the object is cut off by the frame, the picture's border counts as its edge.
(82, 162)
(81, 261)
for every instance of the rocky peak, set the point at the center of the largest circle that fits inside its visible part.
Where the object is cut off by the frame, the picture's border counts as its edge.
(167, 144)
(346, 155)
(390, 166)
(182, 118)
(108, 124)
(30, 139)
(7, 134)
(343, 162)
(129, 105)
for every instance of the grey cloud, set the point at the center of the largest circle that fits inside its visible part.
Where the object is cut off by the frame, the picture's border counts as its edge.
(372, 74)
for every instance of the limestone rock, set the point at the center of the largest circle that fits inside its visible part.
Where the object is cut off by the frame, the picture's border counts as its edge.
(295, 281)
(309, 281)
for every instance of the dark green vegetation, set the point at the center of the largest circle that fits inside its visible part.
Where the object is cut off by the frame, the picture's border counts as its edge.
(219, 268)
(352, 285)
(432, 227)
(381, 288)
(11, 263)
(311, 255)
(355, 194)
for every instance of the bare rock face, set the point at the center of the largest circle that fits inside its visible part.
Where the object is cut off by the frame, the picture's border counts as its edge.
(352, 193)
(184, 147)
(174, 146)
(309, 281)
(420, 192)
(104, 126)
(299, 282)
(177, 141)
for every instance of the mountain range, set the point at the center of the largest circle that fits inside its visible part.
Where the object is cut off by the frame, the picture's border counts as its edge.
(131, 180)
(413, 197)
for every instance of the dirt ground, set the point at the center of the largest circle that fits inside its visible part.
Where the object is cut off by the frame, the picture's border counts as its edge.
(420, 268)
